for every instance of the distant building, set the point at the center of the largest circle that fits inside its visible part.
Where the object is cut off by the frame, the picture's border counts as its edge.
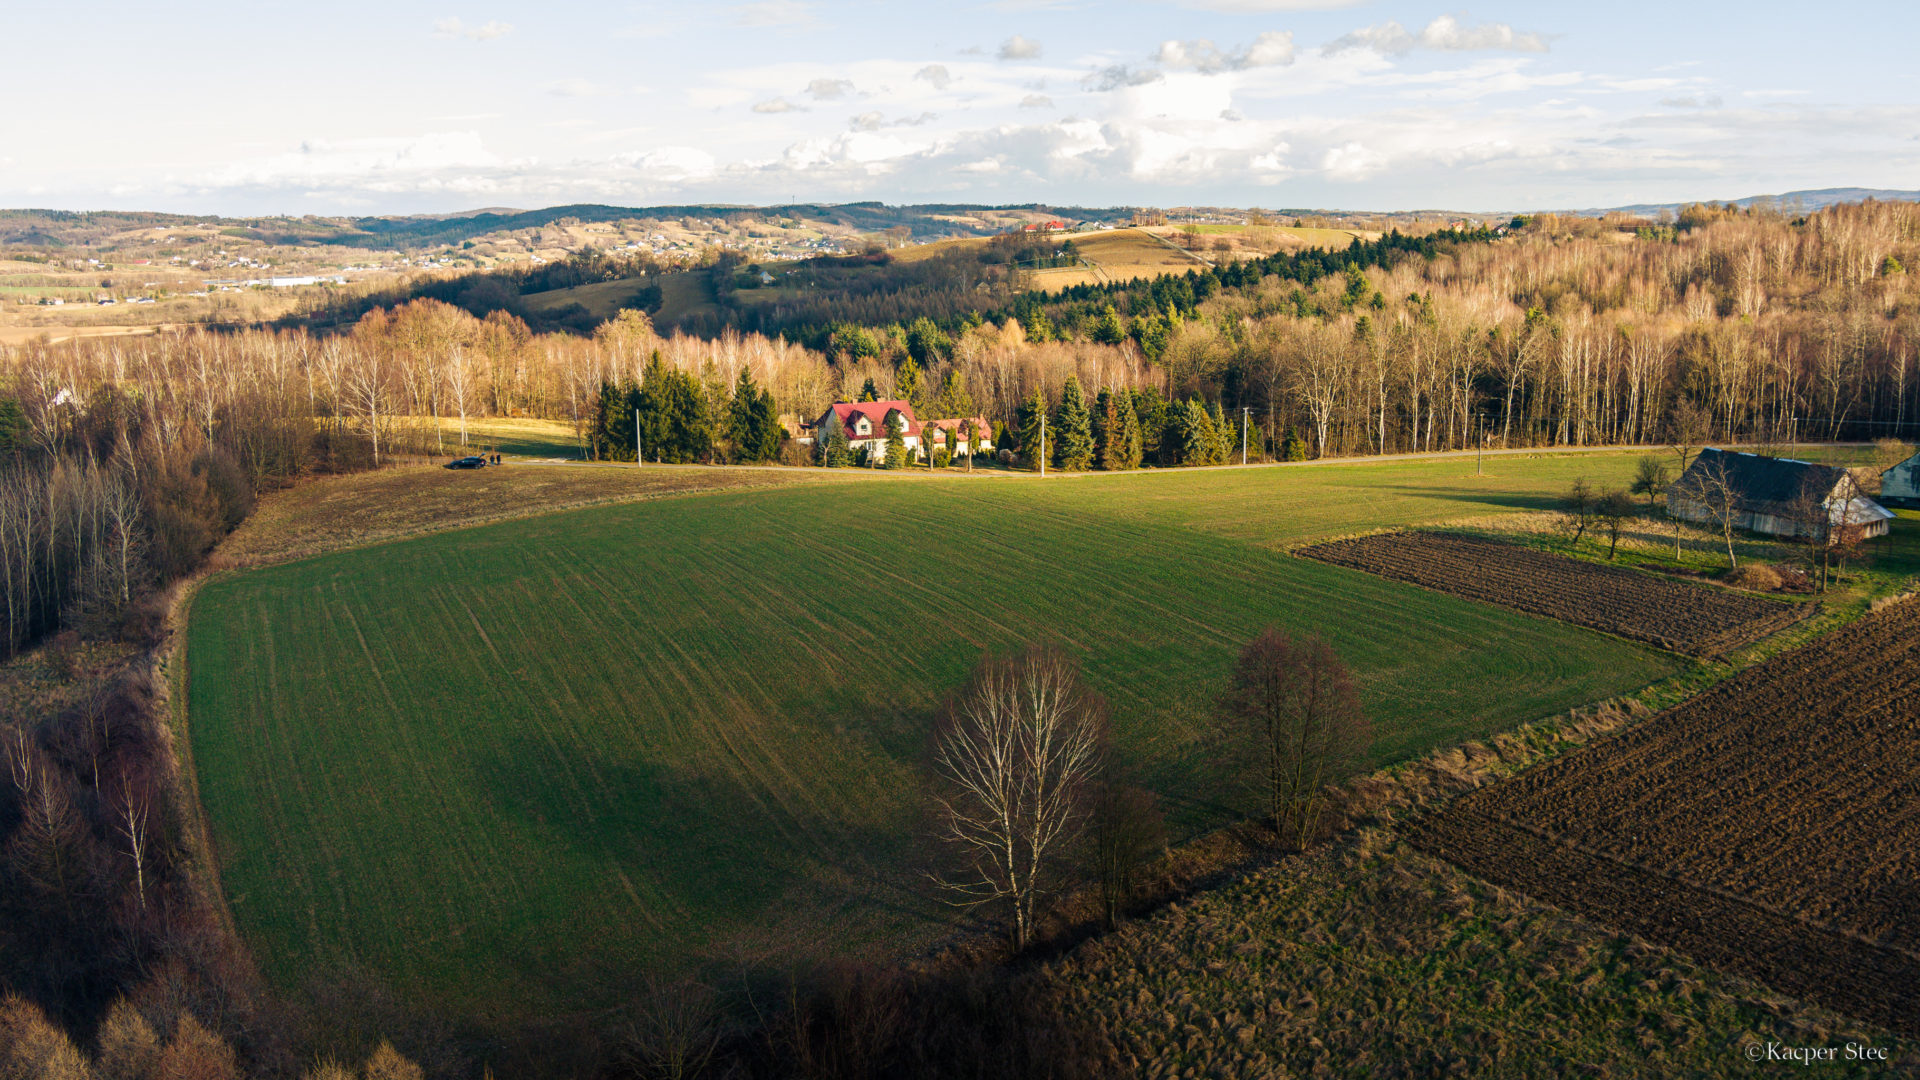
(868, 423)
(1766, 493)
(1900, 485)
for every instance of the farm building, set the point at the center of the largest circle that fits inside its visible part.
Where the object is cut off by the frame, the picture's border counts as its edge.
(1768, 494)
(867, 423)
(1900, 485)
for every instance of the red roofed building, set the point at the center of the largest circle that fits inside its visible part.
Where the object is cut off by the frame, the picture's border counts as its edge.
(867, 425)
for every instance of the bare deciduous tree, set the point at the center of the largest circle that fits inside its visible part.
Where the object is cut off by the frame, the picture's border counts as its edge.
(1293, 720)
(1017, 747)
(1125, 830)
(1613, 510)
(1711, 489)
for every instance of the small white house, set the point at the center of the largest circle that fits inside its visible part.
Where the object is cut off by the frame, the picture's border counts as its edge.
(1900, 485)
(869, 423)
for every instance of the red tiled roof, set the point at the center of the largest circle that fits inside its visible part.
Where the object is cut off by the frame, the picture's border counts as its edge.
(849, 412)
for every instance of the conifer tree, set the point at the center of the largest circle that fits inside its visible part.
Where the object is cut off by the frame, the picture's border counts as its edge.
(1072, 436)
(1225, 435)
(896, 442)
(1128, 450)
(1107, 328)
(869, 392)
(651, 401)
(835, 452)
(1106, 429)
(1033, 413)
(752, 425)
(1293, 447)
(907, 383)
(1150, 409)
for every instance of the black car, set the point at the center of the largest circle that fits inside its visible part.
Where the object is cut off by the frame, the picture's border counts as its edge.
(475, 462)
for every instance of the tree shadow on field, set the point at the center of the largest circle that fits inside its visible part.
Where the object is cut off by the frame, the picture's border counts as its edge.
(1492, 500)
(714, 871)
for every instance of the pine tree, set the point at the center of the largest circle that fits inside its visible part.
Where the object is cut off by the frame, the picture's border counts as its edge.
(651, 400)
(752, 425)
(1106, 429)
(907, 383)
(1033, 414)
(869, 392)
(1196, 441)
(953, 400)
(1108, 329)
(1072, 436)
(835, 451)
(1293, 447)
(1150, 409)
(1224, 435)
(1128, 450)
(896, 442)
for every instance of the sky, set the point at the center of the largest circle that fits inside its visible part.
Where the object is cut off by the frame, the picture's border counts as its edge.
(354, 107)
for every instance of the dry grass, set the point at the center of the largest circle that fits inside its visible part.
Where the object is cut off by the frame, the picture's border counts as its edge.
(411, 500)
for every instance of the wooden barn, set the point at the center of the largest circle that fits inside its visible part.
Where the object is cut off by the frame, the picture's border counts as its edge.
(1769, 495)
(1900, 485)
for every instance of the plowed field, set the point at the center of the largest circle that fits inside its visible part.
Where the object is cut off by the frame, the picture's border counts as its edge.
(1770, 826)
(1693, 619)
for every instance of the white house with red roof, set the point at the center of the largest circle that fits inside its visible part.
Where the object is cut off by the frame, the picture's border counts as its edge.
(868, 424)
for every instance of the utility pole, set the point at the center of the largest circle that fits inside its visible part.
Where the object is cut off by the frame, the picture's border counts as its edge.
(639, 458)
(1245, 413)
(1480, 444)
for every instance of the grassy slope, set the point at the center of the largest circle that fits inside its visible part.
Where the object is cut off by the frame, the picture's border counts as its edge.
(514, 765)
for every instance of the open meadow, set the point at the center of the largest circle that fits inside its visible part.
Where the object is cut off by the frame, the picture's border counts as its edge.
(685, 734)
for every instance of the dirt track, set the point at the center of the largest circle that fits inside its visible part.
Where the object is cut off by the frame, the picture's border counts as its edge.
(1770, 826)
(1676, 615)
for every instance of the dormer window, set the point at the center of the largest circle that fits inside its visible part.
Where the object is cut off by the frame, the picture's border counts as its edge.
(865, 428)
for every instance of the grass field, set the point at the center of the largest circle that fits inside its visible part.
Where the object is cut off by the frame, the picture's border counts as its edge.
(516, 767)
(682, 293)
(514, 436)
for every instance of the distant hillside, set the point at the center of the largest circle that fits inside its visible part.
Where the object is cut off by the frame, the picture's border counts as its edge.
(1811, 199)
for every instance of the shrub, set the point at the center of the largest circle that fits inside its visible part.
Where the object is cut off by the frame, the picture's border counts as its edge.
(1758, 577)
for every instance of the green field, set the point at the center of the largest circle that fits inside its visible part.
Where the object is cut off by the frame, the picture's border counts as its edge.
(515, 767)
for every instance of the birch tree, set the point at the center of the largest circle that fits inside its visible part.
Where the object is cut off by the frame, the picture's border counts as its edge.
(1016, 751)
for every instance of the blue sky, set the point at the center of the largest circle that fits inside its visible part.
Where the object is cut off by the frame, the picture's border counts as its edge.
(403, 106)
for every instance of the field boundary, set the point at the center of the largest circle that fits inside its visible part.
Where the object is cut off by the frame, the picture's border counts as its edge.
(1790, 954)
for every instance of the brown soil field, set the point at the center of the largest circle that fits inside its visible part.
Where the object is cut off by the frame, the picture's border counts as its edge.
(1686, 618)
(408, 500)
(1770, 826)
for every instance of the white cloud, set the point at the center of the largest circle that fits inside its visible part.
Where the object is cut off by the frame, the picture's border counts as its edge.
(935, 75)
(574, 88)
(322, 161)
(1115, 76)
(1273, 48)
(1265, 7)
(773, 13)
(1036, 101)
(829, 89)
(1019, 48)
(1445, 33)
(487, 31)
(776, 105)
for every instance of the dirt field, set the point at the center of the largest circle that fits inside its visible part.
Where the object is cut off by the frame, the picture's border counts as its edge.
(1769, 826)
(1672, 614)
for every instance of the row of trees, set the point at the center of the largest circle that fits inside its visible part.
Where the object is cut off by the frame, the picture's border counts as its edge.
(1028, 785)
(669, 416)
(1124, 428)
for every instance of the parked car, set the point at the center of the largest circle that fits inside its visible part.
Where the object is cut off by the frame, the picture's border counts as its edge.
(474, 462)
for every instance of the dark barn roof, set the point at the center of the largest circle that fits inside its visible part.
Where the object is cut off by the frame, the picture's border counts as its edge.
(1767, 485)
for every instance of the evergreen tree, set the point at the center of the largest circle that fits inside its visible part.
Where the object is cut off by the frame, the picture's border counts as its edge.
(651, 399)
(927, 344)
(869, 392)
(1033, 413)
(953, 400)
(1107, 328)
(897, 442)
(1195, 440)
(1293, 447)
(1072, 434)
(1150, 409)
(1039, 328)
(833, 449)
(1127, 444)
(1224, 433)
(907, 383)
(1106, 429)
(752, 425)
